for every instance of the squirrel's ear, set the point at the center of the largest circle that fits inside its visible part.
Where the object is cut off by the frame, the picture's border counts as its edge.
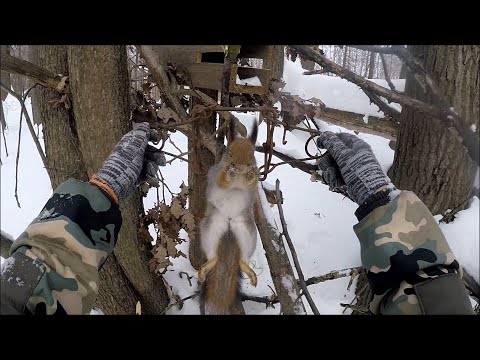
(253, 135)
(231, 131)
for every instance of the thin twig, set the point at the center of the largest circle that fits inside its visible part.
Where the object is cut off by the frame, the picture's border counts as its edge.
(3, 123)
(294, 253)
(163, 182)
(174, 145)
(337, 274)
(315, 72)
(385, 71)
(295, 163)
(18, 157)
(188, 277)
(376, 49)
(29, 123)
(176, 156)
(180, 302)
(269, 301)
(360, 309)
(273, 166)
(387, 109)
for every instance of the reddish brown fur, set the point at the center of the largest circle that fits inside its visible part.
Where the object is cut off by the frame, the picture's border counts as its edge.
(241, 152)
(220, 293)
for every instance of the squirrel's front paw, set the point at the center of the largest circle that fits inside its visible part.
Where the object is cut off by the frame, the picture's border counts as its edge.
(226, 176)
(251, 177)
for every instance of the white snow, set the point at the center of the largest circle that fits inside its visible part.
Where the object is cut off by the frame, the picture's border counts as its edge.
(319, 221)
(253, 81)
(7, 264)
(473, 127)
(335, 92)
(463, 237)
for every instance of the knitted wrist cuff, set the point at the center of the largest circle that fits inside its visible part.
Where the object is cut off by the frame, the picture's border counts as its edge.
(373, 201)
(97, 181)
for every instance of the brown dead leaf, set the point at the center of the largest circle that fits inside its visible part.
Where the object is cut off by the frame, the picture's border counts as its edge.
(164, 212)
(171, 249)
(295, 109)
(160, 253)
(167, 114)
(188, 220)
(176, 208)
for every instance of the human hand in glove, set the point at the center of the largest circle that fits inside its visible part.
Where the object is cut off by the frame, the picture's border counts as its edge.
(349, 162)
(131, 162)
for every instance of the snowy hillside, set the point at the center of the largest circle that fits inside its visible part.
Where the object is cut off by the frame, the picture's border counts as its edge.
(319, 222)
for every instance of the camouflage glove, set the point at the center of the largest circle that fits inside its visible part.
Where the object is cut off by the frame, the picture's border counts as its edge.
(350, 162)
(132, 161)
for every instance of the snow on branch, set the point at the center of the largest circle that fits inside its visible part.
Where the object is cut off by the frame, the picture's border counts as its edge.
(440, 109)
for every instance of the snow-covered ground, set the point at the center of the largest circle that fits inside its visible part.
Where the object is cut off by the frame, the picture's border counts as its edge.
(319, 221)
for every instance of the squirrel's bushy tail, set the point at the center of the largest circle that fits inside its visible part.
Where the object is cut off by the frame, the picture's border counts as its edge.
(220, 294)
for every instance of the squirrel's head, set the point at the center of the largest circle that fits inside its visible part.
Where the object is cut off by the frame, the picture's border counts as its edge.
(240, 151)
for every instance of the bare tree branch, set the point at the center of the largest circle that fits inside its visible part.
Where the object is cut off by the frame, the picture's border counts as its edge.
(269, 301)
(388, 110)
(295, 163)
(336, 274)
(280, 268)
(375, 126)
(44, 77)
(29, 122)
(315, 72)
(385, 71)
(3, 125)
(294, 253)
(376, 49)
(443, 112)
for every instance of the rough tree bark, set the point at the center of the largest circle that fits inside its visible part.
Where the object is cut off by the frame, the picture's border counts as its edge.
(430, 160)
(197, 182)
(100, 95)
(371, 66)
(64, 158)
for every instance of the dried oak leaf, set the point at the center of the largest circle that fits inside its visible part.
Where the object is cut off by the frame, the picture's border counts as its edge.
(176, 208)
(165, 212)
(188, 220)
(167, 114)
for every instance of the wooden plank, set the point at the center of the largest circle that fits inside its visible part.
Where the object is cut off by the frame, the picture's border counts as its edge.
(255, 51)
(184, 54)
(247, 72)
(206, 75)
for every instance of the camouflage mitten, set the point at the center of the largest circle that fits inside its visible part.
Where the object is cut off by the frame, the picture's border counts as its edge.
(132, 161)
(350, 162)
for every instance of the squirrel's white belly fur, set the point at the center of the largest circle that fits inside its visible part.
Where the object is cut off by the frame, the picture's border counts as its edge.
(229, 208)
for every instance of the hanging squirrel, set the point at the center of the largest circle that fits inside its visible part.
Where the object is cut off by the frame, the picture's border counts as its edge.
(228, 234)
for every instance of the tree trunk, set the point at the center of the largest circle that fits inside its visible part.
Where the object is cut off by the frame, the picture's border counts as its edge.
(64, 158)
(403, 71)
(430, 160)
(278, 60)
(197, 182)
(99, 86)
(345, 55)
(371, 67)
